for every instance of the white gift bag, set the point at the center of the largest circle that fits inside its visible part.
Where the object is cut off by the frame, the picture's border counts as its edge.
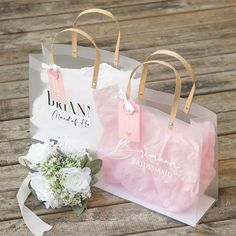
(61, 89)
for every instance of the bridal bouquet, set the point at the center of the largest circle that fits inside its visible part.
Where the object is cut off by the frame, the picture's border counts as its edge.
(61, 174)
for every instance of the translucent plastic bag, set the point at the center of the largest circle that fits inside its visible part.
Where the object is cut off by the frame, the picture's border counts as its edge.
(67, 108)
(171, 166)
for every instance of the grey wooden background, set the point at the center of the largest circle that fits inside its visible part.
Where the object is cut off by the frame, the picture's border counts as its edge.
(203, 31)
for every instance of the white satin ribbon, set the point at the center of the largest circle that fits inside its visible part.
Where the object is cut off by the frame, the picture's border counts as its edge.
(128, 106)
(32, 221)
(53, 67)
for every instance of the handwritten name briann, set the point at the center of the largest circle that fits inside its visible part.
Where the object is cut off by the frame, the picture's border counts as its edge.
(78, 114)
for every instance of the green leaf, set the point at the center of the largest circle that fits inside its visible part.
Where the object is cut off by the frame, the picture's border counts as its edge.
(54, 141)
(32, 190)
(94, 180)
(84, 161)
(78, 210)
(27, 163)
(95, 166)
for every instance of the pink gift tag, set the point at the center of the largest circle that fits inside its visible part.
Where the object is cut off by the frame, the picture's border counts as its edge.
(129, 124)
(56, 86)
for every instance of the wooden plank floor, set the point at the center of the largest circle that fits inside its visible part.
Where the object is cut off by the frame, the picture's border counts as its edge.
(203, 31)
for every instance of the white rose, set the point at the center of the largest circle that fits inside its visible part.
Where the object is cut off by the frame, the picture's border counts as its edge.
(53, 203)
(38, 153)
(68, 146)
(76, 180)
(41, 187)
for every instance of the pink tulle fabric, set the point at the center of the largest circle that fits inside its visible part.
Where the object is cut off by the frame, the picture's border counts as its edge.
(168, 167)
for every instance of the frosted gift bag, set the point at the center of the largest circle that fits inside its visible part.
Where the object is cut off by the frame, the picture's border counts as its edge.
(102, 12)
(108, 57)
(167, 163)
(110, 61)
(61, 102)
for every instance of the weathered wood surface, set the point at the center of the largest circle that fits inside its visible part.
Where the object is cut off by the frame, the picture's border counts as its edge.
(121, 218)
(37, 23)
(194, 27)
(202, 31)
(123, 9)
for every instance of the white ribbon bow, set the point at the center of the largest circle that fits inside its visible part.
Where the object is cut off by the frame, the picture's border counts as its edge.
(32, 221)
(128, 106)
(53, 67)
